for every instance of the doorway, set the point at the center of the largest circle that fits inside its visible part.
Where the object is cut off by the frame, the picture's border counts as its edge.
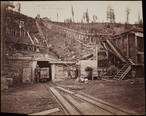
(45, 65)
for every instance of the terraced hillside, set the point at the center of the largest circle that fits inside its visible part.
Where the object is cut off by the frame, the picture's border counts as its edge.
(103, 28)
(66, 48)
(70, 49)
(22, 35)
(54, 42)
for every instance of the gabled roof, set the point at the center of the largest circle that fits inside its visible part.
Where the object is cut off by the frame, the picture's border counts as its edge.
(131, 30)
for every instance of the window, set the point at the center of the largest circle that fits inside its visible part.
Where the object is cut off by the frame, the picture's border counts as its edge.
(140, 44)
(140, 58)
(21, 24)
(102, 53)
(102, 63)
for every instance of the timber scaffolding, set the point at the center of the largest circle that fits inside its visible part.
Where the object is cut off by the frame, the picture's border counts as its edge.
(83, 38)
(29, 38)
(96, 38)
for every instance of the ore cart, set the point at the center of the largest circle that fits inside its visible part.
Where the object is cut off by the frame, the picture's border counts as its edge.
(44, 74)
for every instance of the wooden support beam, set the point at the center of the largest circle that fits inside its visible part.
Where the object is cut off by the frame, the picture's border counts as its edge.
(139, 34)
(136, 49)
(65, 90)
(103, 106)
(86, 108)
(127, 46)
(47, 112)
(71, 110)
(111, 45)
(108, 104)
(96, 58)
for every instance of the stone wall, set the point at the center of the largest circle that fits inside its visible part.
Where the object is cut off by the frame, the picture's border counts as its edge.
(21, 71)
(90, 63)
(13, 69)
(60, 72)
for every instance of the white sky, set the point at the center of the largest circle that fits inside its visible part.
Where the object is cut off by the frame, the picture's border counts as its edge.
(63, 8)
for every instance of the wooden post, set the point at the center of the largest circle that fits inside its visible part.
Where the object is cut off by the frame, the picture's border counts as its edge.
(136, 48)
(127, 46)
(53, 71)
(3, 34)
(96, 58)
(122, 43)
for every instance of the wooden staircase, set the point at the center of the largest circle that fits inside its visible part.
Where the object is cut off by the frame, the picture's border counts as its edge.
(128, 62)
(41, 33)
(123, 72)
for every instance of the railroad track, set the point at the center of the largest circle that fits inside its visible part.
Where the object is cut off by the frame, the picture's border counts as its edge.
(75, 103)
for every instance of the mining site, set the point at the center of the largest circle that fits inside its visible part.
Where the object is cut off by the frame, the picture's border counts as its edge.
(81, 65)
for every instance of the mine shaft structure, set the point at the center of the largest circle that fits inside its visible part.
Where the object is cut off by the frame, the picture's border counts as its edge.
(125, 47)
(103, 44)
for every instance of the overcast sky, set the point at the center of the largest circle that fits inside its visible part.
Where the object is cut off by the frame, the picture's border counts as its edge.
(63, 8)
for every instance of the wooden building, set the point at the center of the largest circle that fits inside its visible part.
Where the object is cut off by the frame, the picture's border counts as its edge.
(131, 44)
(126, 52)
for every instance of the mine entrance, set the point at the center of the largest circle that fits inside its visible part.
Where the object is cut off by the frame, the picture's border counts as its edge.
(45, 71)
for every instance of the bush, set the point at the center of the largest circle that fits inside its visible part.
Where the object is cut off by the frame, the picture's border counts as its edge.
(88, 68)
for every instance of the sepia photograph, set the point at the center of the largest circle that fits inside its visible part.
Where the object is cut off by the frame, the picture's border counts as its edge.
(72, 58)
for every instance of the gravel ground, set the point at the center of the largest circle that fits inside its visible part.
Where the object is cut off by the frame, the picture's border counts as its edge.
(121, 93)
(28, 99)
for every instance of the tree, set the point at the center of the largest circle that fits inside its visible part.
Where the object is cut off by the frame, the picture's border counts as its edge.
(68, 20)
(57, 17)
(84, 16)
(140, 21)
(19, 7)
(87, 16)
(110, 15)
(127, 15)
(94, 18)
(72, 10)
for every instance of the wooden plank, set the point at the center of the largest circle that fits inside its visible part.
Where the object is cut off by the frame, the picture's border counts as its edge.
(65, 103)
(70, 92)
(109, 104)
(139, 34)
(47, 112)
(125, 72)
(110, 44)
(103, 106)
(136, 46)
(127, 46)
(27, 75)
(86, 108)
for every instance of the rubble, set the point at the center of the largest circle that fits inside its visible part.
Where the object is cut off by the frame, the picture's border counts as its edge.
(82, 80)
(4, 84)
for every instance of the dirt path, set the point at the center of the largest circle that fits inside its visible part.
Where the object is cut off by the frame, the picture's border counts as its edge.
(121, 93)
(28, 99)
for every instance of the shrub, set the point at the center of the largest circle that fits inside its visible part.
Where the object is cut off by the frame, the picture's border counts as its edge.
(88, 68)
